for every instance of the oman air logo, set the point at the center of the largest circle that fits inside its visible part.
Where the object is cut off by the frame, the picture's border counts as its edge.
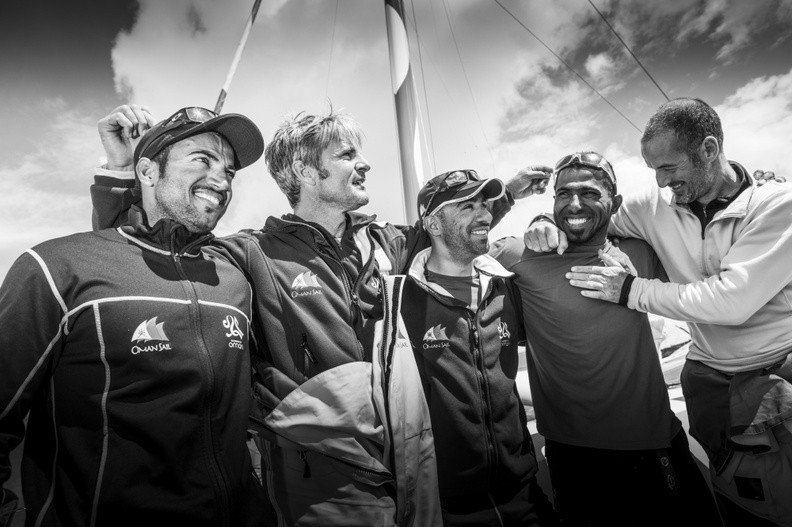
(234, 333)
(150, 331)
(435, 338)
(306, 284)
(505, 336)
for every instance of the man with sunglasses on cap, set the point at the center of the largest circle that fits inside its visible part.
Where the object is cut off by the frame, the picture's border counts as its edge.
(725, 242)
(127, 350)
(617, 454)
(316, 278)
(458, 316)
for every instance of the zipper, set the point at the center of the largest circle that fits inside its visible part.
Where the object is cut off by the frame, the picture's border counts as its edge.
(219, 482)
(478, 360)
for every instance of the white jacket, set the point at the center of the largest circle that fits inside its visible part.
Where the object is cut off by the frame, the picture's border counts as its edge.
(732, 283)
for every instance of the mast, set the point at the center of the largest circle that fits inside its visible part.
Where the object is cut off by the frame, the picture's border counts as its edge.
(408, 118)
(237, 55)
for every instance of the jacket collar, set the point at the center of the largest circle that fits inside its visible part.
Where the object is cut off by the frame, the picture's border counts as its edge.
(166, 236)
(486, 266)
(738, 207)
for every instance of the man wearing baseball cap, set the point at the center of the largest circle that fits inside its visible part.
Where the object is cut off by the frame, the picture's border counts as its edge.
(127, 350)
(458, 313)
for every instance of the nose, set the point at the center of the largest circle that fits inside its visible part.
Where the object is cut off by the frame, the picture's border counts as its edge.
(219, 179)
(662, 179)
(362, 165)
(574, 202)
(484, 215)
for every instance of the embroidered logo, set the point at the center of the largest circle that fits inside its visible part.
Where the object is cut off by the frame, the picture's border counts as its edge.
(234, 333)
(306, 284)
(148, 331)
(435, 337)
(505, 335)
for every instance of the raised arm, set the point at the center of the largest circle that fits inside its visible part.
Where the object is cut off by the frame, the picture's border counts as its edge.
(113, 191)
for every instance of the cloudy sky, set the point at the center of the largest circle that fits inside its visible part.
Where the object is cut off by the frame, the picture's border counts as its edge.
(493, 96)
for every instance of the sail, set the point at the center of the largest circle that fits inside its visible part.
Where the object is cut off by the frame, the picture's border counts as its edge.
(408, 119)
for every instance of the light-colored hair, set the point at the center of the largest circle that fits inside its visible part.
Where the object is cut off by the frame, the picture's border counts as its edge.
(305, 137)
(690, 120)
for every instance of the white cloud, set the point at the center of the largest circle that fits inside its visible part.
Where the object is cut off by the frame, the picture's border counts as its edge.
(757, 122)
(49, 195)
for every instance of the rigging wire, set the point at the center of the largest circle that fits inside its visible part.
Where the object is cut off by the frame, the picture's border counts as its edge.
(332, 45)
(570, 68)
(628, 49)
(423, 83)
(467, 81)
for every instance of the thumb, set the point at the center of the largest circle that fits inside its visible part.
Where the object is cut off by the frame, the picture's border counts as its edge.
(563, 242)
(609, 260)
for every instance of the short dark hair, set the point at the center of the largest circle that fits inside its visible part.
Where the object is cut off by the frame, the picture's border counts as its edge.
(161, 158)
(690, 120)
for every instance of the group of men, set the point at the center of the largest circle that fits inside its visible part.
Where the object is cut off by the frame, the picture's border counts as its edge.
(135, 348)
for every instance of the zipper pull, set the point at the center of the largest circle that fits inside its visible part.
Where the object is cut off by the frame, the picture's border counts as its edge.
(307, 470)
(307, 350)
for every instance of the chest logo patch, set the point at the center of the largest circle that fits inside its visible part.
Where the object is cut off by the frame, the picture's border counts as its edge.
(150, 336)
(234, 333)
(505, 335)
(306, 284)
(435, 337)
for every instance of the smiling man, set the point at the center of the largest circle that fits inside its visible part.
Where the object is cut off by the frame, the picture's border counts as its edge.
(459, 316)
(316, 276)
(617, 454)
(127, 350)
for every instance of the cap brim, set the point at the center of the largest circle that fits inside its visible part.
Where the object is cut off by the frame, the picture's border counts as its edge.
(241, 133)
(490, 189)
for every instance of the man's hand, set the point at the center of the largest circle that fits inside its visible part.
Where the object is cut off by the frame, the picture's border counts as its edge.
(602, 283)
(544, 236)
(529, 181)
(762, 177)
(120, 132)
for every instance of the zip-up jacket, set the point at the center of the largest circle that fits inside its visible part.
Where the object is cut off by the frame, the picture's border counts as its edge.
(732, 280)
(316, 304)
(468, 361)
(128, 351)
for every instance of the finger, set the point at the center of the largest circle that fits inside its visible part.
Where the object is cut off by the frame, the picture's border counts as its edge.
(585, 284)
(563, 242)
(609, 260)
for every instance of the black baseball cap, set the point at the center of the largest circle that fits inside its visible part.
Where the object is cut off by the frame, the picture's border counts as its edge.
(456, 186)
(241, 133)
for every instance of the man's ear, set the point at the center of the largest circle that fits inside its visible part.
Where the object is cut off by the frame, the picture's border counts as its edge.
(432, 225)
(304, 173)
(709, 149)
(147, 172)
(615, 203)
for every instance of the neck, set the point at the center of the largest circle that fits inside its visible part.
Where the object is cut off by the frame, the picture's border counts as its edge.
(441, 262)
(726, 182)
(332, 219)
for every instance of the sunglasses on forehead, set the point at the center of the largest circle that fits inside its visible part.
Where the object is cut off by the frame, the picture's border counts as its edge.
(451, 180)
(193, 114)
(586, 159)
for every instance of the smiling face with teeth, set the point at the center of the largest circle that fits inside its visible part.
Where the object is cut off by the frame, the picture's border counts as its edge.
(689, 178)
(584, 204)
(192, 184)
(465, 229)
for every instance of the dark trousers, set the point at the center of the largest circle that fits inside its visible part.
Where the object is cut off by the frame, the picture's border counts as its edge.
(597, 487)
(525, 506)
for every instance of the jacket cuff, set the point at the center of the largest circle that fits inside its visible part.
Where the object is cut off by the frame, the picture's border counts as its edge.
(116, 174)
(624, 296)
